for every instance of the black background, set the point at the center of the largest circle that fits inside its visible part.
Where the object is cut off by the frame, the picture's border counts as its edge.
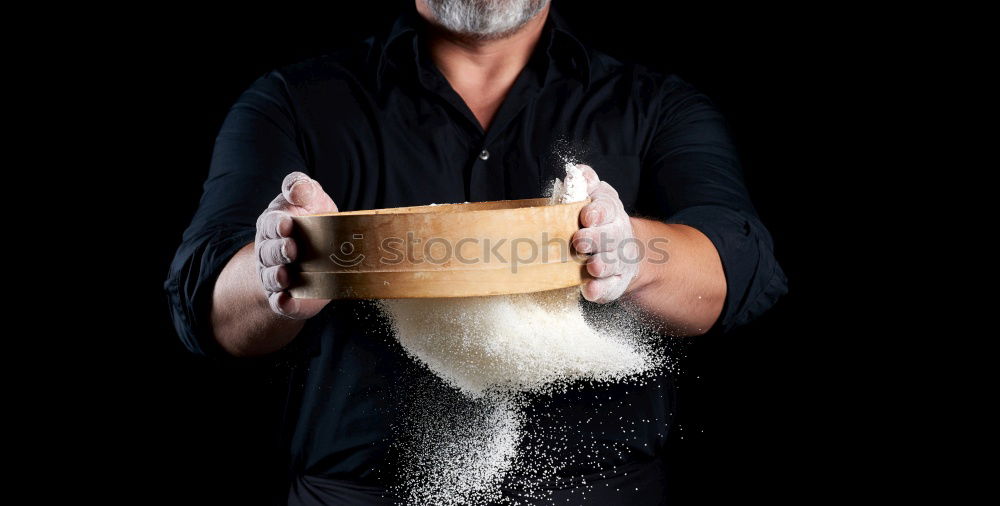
(762, 409)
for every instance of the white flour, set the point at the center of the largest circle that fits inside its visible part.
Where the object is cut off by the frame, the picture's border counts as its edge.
(571, 189)
(492, 349)
(522, 342)
(458, 450)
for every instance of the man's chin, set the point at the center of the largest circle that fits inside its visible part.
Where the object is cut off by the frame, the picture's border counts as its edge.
(486, 36)
(454, 17)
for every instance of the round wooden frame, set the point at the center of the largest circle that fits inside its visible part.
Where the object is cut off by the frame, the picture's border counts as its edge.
(449, 250)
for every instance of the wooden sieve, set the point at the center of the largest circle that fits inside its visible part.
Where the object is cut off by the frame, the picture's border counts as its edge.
(448, 250)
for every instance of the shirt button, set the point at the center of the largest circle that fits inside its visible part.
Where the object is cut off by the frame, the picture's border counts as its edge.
(484, 155)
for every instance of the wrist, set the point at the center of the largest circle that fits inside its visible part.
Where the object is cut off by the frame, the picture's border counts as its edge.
(641, 277)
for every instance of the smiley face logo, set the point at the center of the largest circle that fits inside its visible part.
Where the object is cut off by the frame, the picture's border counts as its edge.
(346, 254)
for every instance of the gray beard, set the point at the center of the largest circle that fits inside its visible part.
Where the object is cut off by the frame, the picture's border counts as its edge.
(484, 19)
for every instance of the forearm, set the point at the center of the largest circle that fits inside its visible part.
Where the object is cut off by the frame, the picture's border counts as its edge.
(242, 320)
(687, 291)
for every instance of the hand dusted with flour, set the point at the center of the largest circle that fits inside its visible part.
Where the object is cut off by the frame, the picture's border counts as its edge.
(608, 237)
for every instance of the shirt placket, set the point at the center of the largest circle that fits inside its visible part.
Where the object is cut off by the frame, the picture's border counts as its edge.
(486, 171)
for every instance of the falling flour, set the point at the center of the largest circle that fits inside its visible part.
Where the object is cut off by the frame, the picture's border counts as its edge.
(512, 342)
(491, 350)
(457, 450)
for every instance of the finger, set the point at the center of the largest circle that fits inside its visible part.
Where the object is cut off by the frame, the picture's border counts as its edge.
(590, 175)
(274, 279)
(591, 290)
(605, 190)
(283, 304)
(605, 264)
(274, 225)
(601, 210)
(303, 191)
(276, 252)
(605, 205)
(296, 188)
(596, 239)
(601, 290)
(279, 203)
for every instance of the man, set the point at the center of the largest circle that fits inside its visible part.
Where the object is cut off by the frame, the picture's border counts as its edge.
(464, 100)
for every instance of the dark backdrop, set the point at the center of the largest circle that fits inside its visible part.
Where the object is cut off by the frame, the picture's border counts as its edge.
(757, 418)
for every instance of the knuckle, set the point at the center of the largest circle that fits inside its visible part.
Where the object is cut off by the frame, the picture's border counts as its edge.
(608, 190)
(261, 220)
(583, 240)
(278, 202)
(269, 224)
(265, 253)
(271, 279)
(259, 250)
(290, 250)
(274, 300)
(262, 273)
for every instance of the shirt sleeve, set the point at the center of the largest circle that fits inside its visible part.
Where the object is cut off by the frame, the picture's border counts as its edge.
(255, 148)
(694, 177)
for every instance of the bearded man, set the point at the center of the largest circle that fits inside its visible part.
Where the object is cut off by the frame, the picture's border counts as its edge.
(466, 100)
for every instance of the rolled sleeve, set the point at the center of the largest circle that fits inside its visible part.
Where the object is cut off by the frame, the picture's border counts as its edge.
(754, 279)
(191, 282)
(693, 177)
(256, 147)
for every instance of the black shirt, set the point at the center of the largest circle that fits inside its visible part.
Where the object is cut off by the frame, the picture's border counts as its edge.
(379, 126)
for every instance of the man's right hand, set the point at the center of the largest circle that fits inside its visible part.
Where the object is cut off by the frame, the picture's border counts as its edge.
(274, 247)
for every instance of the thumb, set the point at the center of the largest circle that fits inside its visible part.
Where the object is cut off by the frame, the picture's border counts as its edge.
(303, 191)
(590, 176)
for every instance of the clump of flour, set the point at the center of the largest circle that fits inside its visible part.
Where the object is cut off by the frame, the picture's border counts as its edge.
(523, 342)
(571, 189)
(493, 350)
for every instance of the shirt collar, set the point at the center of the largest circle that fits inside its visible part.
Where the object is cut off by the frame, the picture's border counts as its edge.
(565, 47)
(562, 47)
